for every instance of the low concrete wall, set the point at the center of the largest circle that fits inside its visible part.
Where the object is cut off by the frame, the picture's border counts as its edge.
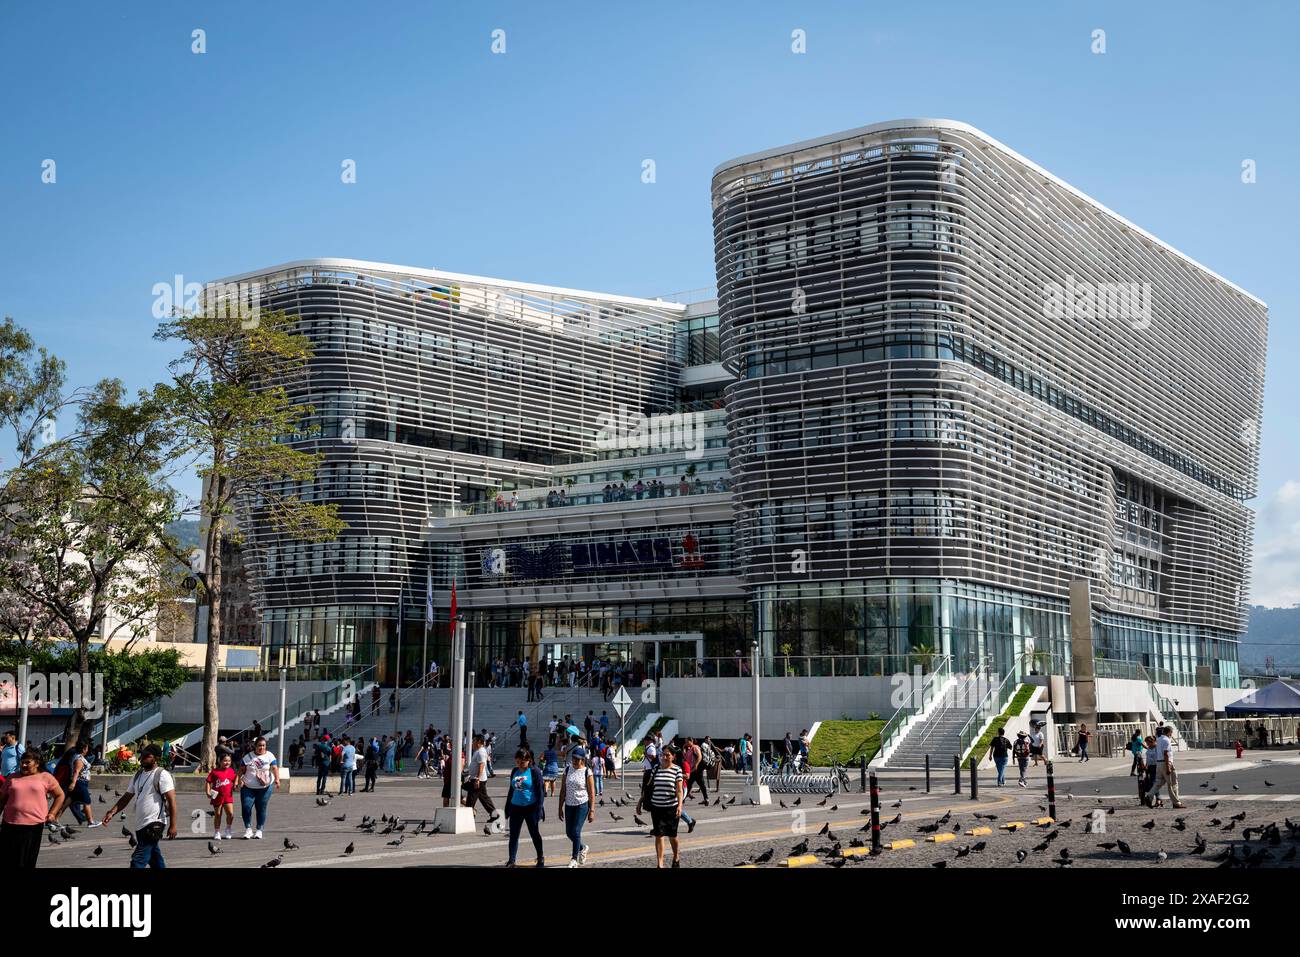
(723, 707)
(242, 702)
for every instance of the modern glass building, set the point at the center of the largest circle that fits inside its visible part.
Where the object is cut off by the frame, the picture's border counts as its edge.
(963, 385)
(937, 390)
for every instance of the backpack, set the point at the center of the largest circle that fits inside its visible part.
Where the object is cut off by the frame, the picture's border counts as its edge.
(1020, 749)
(63, 770)
(707, 757)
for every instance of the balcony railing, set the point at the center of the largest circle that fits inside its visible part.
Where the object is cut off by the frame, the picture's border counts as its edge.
(799, 666)
(598, 497)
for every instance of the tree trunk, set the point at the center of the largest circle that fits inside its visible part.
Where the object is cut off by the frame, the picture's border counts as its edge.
(77, 720)
(212, 660)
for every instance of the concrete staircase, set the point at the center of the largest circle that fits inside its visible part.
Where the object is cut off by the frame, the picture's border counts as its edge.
(937, 733)
(496, 709)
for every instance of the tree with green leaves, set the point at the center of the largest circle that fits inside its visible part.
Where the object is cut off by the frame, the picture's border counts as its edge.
(83, 541)
(230, 404)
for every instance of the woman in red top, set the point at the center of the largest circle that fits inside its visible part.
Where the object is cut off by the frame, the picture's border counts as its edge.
(25, 800)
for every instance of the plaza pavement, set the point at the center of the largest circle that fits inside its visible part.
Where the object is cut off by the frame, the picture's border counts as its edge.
(732, 834)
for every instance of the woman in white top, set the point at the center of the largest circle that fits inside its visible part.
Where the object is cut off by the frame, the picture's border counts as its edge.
(576, 802)
(261, 774)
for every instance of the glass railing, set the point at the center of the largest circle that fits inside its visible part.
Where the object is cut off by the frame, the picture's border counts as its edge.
(798, 666)
(919, 699)
(621, 497)
(313, 701)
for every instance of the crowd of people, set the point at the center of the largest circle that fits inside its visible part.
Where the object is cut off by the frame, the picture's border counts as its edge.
(613, 492)
(607, 674)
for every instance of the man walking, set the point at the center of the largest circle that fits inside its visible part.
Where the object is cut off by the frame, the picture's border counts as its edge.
(999, 748)
(1165, 774)
(478, 792)
(522, 721)
(155, 809)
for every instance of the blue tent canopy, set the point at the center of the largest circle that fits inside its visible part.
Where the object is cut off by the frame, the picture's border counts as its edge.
(1279, 697)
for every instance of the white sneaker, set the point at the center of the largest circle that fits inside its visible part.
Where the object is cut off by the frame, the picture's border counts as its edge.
(248, 833)
(582, 855)
(217, 835)
(229, 836)
(258, 834)
(573, 862)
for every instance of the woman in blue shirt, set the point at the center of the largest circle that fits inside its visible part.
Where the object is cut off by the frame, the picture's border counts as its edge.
(524, 805)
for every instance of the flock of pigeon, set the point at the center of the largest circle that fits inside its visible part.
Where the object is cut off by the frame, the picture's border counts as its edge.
(1261, 844)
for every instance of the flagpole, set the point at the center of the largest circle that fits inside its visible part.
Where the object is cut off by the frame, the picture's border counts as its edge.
(397, 671)
(424, 654)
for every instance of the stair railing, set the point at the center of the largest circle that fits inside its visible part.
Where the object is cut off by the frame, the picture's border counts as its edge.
(917, 701)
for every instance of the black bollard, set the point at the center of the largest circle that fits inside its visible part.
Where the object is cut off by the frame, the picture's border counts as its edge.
(956, 774)
(927, 774)
(1051, 792)
(974, 781)
(875, 815)
(864, 774)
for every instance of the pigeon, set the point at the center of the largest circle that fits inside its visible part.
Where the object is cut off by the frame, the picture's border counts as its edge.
(1238, 817)
(1124, 848)
(614, 816)
(398, 842)
(896, 819)
(99, 850)
(867, 827)
(131, 841)
(1021, 855)
(732, 800)
(1200, 846)
(1236, 788)
(1149, 825)
(835, 807)
(838, 862)
(1108, 845)
(939, 864)
(980, 846)
(963, 851)
(1063, 861)
(1215, 821)
(341, 818)
(797, 801)
(928, 828)
(986, 817)
(1268, 783)
(101, 799)
(826, 829)
(214, 848)
(349, 849)
(1211, 806)
(322, 801)
(52, 839)
(1179, 824)
(638, 820)
(1065, 853)
(764, 857)
(896, 805)
(125, 832)
(1161, 856)
(800, 848)
(946, 817)
(1043, 846)
(290, 845)
(719, 799)
(822, 802)
(275, 862)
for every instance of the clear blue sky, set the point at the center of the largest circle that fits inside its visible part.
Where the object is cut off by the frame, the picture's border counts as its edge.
(527, 165)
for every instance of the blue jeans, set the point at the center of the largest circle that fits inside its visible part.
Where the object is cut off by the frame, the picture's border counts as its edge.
(348, 781)
(259, 797)
(322, 777)
(599, 780)
(574, 819)
(146, 853)
(1001, 765)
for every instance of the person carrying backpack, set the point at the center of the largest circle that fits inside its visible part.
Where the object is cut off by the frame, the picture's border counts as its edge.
(1020, 751)
(1000, 748)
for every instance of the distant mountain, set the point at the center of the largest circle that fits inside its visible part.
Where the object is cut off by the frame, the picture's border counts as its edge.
(1272, 632)
(186, 531)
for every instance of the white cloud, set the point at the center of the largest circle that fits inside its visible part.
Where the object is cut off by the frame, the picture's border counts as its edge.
(1276, 573)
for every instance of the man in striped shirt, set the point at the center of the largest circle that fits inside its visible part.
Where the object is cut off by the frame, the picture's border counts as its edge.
(664, 793)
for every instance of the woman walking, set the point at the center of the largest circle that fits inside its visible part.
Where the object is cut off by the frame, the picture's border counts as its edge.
(525, 805)
(1082, 742)
(577, 804)
(550, 768)
(261, 775)
(79, 799)
(1136, 746)
(25, 809)
(664, 793)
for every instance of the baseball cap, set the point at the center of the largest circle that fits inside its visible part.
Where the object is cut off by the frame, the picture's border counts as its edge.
(578, 753)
